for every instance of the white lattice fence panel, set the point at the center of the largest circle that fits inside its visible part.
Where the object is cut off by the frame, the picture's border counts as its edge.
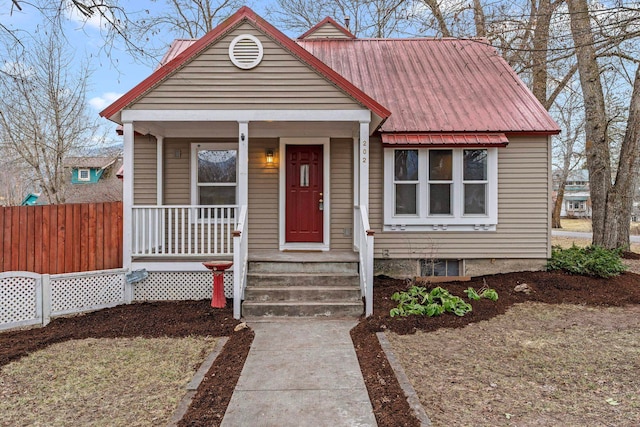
(82, 292)
(20, 301)
(178, 285)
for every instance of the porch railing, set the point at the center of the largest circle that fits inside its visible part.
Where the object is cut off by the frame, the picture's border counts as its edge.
(169, 231)
(240, 257)
(364, 245)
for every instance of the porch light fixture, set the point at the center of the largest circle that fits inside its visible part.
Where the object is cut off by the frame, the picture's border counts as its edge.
(269, 156)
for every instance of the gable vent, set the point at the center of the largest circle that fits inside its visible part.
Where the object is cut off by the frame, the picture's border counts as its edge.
(245, 51)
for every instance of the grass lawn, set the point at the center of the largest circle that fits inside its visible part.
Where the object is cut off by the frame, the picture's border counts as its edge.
(584, 225)
(536, 365)
(580, 225)
(101, 382)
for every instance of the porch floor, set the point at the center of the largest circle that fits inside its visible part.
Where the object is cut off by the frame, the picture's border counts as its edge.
(303, 256)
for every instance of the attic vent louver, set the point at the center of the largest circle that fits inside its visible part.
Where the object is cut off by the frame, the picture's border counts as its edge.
(245, 51)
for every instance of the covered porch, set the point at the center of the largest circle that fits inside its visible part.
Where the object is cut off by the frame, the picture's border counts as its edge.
(174, 216)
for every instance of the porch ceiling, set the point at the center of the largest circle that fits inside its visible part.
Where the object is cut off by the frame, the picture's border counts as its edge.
(256, 129)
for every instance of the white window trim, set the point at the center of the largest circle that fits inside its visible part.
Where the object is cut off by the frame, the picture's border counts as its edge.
(88, 171)
(194, 167)
(458, 221)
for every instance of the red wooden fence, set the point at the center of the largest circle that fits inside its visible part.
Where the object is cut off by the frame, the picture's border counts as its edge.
(56, 239)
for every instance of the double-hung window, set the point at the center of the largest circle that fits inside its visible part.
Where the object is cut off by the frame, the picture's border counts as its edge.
(214, 178)
(440, 188)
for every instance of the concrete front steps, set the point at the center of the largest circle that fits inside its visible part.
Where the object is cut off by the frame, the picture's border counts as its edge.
(302, 289)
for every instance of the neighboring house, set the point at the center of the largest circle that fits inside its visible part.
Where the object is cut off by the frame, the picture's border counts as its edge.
(429, 156)
(577, 197)
(30, 199)
(93, 179)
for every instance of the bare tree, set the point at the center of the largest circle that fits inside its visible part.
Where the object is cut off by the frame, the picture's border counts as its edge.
(15, 182)
(43, 110)
(568, 148)
(612, 202)
(367, 18)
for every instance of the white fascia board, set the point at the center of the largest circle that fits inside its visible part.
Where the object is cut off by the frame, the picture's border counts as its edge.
(247, 115)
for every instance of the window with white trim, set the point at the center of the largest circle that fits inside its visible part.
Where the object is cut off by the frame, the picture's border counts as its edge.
(440, 189)
(84, 174)
(214, 172)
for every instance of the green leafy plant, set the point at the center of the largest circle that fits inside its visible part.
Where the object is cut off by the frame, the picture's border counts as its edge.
(484, 292)
(472, 294)
(590, 261)
(418, 301)
(490, 294)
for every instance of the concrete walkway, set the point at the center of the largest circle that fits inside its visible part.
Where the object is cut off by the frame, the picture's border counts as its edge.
(300, 372)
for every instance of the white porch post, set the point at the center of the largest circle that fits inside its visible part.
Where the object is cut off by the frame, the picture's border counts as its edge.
(159, 171)
(356, 171)
(127, 202)
(243, 163)
(366, 246)
(363, 163)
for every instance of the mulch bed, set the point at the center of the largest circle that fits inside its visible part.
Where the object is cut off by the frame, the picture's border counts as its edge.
(630, 255)
(184, 318)
(214, 393)
(390, 405)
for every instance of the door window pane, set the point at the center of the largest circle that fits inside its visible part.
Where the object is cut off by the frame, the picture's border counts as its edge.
(440, 165)
(304, 175)
(406, 165)
(475, 165)
(475, 198)
(217, 166)
(440, 199)
(406, 199)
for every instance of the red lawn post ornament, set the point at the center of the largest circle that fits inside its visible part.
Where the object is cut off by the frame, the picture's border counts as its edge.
(218, 268)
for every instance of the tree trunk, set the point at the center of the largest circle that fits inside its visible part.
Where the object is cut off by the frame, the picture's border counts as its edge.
(479, 20)
(596, 146)
(539, 63)
(557, 206)
(619, 208)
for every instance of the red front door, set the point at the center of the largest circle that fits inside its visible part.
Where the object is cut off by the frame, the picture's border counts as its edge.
(304, 218)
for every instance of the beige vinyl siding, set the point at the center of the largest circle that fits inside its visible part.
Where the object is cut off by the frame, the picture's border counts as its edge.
(341, 193)
(327, 31)
(177, 177)
(280, 81)
(263, 196)
(523, 211)
(144, 171)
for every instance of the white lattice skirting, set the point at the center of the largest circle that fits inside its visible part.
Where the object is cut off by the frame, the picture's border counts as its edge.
(31, 299)
(178, 285)
(20, 300)
(78, 292)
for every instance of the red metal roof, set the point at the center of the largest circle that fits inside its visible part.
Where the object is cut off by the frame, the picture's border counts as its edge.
(437, 85)
(331, 21)
(244, 14)
(446, 139)
(176, 47)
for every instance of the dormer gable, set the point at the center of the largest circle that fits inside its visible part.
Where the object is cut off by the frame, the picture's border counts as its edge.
(328, 28)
